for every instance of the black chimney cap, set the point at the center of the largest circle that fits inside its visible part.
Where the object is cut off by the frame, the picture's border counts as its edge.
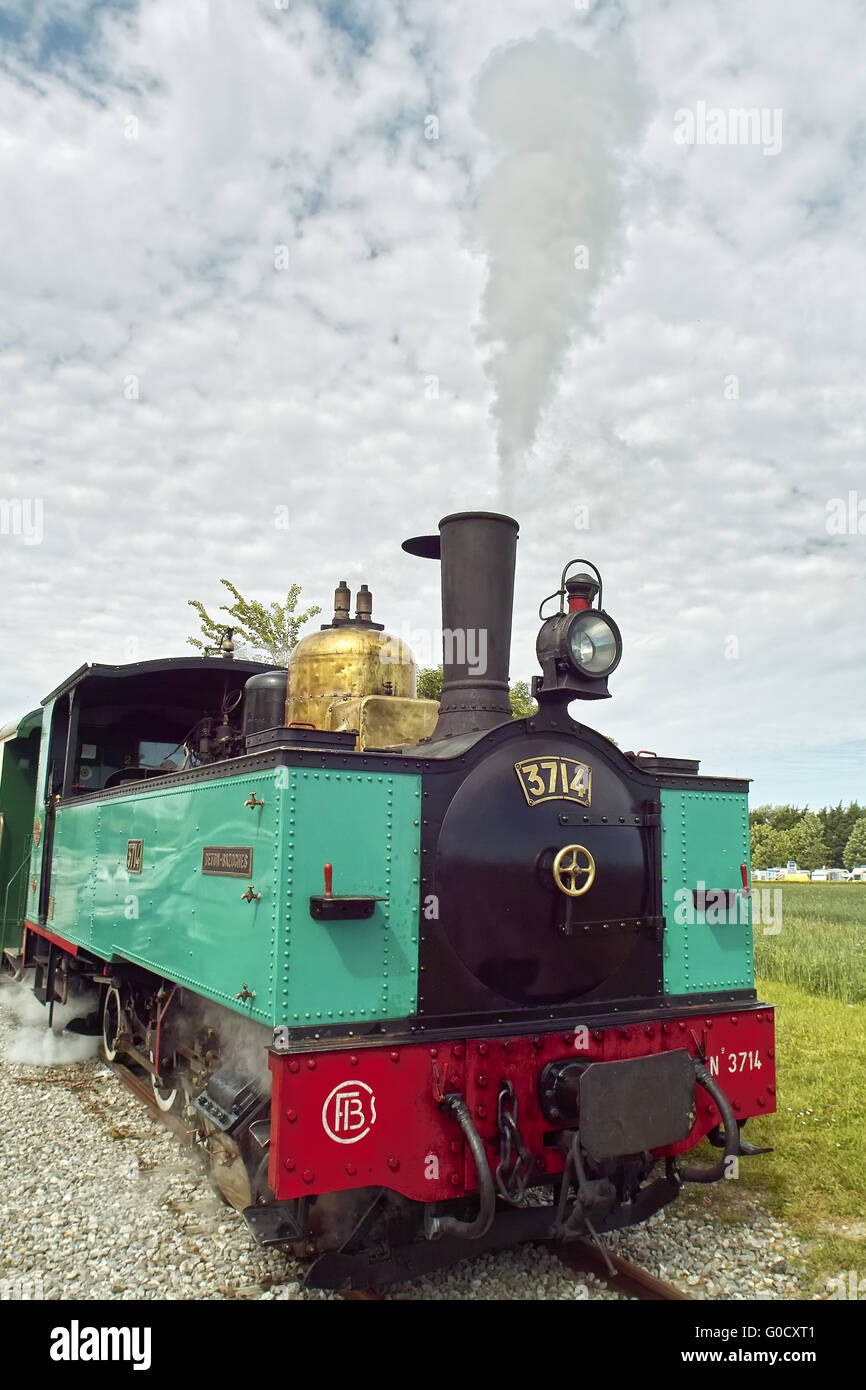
(430, 547)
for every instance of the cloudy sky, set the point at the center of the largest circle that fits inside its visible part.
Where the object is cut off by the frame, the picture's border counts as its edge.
(266, 259)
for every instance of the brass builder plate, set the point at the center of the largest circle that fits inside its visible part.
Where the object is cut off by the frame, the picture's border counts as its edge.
(554, 779)
(234, 860)
(134, 852)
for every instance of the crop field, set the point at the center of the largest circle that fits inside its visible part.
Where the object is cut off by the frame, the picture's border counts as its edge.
(814, 972)
(821, 947)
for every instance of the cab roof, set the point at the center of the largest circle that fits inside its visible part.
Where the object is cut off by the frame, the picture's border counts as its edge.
(20, 728)
(169, 676)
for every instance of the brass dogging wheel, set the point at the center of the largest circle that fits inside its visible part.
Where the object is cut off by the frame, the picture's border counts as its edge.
(570, 864)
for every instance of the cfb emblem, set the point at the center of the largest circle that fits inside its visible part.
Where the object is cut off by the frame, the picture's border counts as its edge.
(554, 779)
(349, 1113)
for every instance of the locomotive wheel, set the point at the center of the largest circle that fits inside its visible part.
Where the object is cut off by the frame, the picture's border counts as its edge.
(112, 1023)
(167, 1097)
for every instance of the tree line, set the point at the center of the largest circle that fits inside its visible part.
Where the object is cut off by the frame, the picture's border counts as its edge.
(835, 836)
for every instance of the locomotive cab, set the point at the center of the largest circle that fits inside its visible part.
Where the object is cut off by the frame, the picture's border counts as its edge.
(115, 724)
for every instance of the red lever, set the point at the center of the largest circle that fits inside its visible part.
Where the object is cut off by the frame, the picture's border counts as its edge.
(744, 872)
(329, 874)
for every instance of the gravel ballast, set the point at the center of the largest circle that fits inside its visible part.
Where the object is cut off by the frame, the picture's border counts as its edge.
(99, 1201)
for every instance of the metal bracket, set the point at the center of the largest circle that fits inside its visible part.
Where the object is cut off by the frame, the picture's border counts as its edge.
(345, 908)
(716, 899)
(276, 1224)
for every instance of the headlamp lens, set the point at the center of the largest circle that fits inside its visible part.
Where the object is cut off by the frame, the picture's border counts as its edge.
(592, 644)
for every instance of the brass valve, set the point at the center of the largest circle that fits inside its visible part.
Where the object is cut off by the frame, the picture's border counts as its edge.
(250, 895)
(568, 863)
(252, 802)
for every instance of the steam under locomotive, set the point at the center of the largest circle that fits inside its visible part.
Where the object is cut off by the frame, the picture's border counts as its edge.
(425, 980)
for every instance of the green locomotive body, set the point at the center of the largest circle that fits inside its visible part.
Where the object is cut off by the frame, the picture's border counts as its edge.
(206, 881)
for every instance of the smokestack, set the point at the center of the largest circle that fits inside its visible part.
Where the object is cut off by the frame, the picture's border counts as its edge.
(477, 552)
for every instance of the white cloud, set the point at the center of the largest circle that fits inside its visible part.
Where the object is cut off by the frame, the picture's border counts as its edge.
(153, 258)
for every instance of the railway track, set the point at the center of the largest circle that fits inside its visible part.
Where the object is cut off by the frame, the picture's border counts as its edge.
(583, 1257)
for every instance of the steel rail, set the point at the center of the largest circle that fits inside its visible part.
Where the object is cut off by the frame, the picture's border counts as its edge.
(584, 1257)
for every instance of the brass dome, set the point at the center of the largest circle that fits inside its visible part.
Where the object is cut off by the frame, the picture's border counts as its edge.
(342, 663)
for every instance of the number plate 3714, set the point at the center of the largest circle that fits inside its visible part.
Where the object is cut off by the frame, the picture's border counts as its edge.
(554, 779)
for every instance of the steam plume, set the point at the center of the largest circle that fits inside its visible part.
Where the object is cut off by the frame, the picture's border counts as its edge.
(560, 120)
(30, 1039)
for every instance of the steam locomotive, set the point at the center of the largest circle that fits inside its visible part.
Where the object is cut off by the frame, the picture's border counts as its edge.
(425, 979)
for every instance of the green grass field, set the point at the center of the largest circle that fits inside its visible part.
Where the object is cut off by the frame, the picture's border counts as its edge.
(814, 972)
(822, 945)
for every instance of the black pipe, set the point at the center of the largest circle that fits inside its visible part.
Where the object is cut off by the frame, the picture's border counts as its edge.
(435, 1226)
(478, 552)
(732, 1133)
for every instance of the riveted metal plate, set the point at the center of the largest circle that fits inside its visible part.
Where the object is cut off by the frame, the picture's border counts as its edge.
(705, 840)
(366, 824)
